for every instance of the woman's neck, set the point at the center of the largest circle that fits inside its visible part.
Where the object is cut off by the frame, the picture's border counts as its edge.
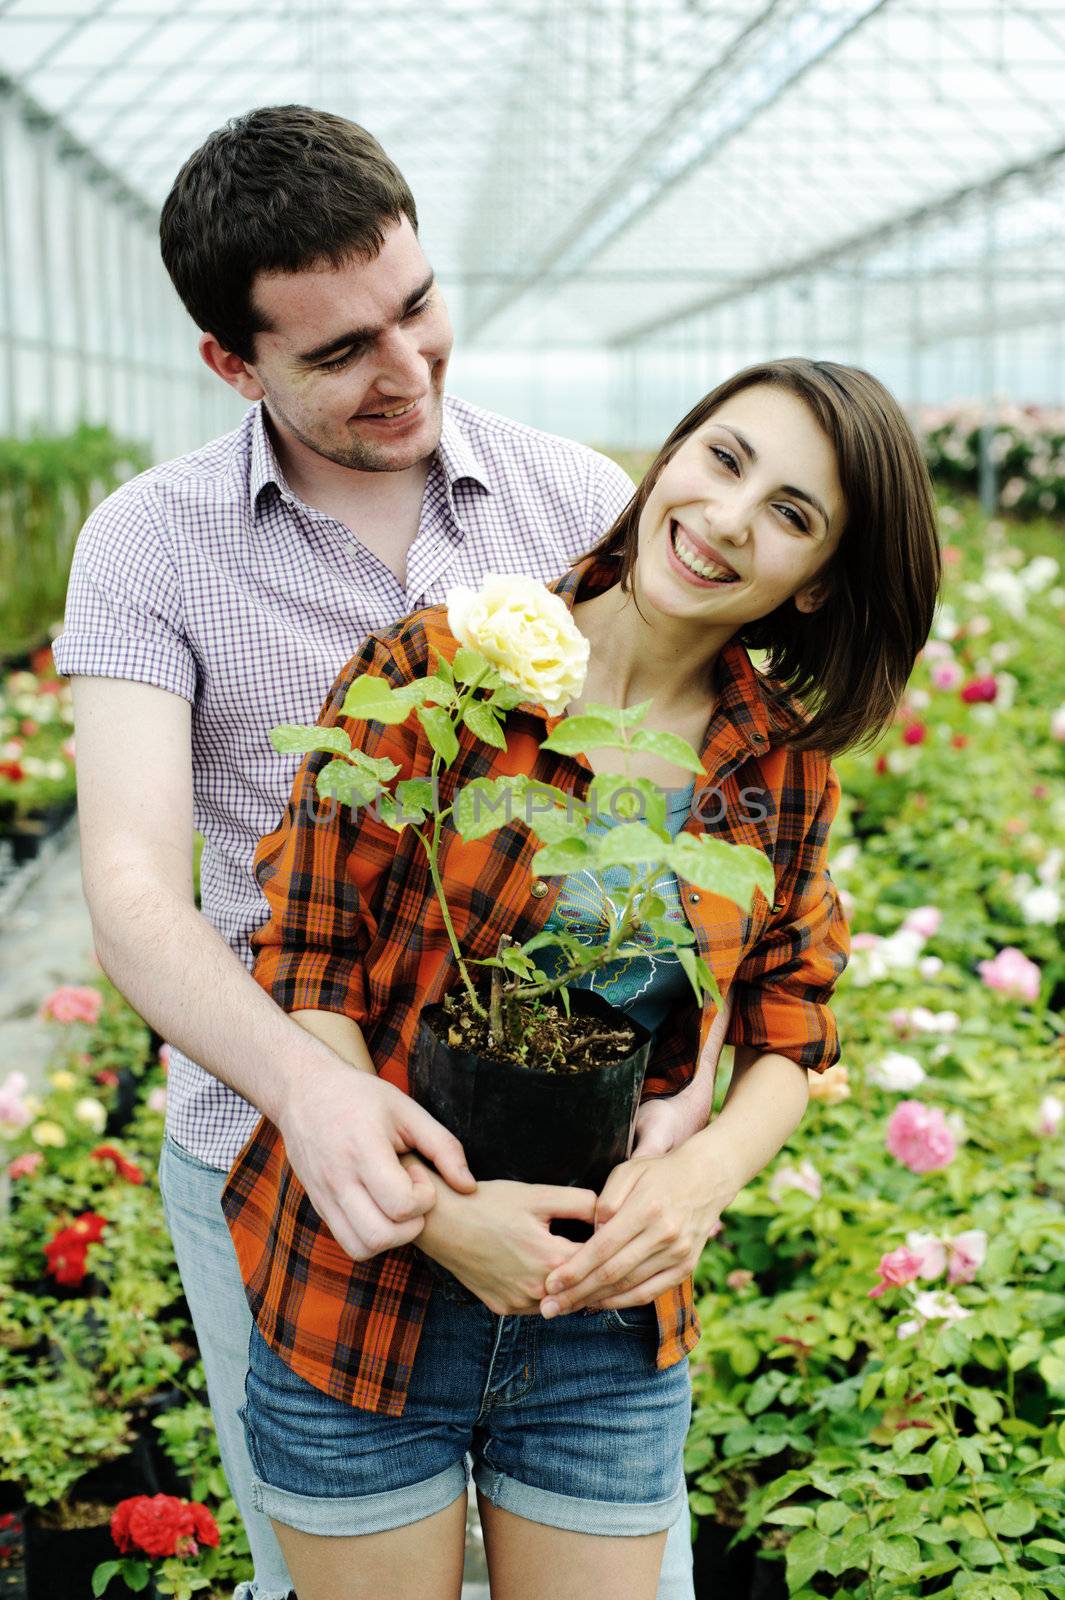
(634, 659)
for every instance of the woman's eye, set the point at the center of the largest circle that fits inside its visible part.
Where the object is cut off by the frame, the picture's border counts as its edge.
(794, 517)
(726, 456)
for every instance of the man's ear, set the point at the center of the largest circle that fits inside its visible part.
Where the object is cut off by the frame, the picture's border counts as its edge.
(230, 368)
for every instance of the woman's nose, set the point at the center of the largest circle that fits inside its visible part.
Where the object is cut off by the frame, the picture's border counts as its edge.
(728, 517)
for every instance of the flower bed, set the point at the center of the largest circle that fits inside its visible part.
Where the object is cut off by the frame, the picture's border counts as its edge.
(103, 1397)
(1027, 447)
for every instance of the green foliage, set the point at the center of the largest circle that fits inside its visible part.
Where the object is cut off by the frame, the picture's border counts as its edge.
(48, 486)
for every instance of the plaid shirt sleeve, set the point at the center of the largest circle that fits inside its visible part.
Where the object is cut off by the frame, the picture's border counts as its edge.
(124, 604)
(319, 868)
(782, 987)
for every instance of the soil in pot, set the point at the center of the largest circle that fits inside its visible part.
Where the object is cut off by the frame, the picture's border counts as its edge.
(566, 1117)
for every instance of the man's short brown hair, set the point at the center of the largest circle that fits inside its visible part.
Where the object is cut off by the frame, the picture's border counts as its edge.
(279, 189)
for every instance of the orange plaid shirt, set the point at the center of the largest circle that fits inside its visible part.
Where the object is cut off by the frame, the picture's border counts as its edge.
(355, 927)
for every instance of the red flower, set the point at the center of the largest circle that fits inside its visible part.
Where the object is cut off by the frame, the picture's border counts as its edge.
(978, 690)
(881, 766)
(28, 727)
(915, 733)
(162, 1525)
(41, 661)
(125, 1168)
(959, 740)
(106, 1077)
(12, 771)
(67, 1252)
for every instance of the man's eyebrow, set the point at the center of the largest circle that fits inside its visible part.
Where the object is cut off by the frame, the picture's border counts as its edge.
(786, 488)
(363, 336)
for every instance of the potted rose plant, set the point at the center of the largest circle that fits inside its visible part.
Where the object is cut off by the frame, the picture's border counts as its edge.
(539, 1080)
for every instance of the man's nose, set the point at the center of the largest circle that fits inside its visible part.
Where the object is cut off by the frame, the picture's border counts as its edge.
(403, 368)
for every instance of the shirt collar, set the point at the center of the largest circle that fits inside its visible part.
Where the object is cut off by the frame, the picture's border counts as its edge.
(456, 455)
(741, 723)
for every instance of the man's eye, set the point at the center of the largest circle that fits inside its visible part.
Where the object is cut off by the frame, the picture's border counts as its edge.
(338, 362)
(422, 306)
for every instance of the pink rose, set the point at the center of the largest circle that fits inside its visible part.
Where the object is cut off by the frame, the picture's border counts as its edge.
(914, 733)
(918, 1136)
(897, 1267)
(924, 920)
(1050, 1115)
(23, 1166)
(1012, 974)
(14, 1112)
(71, 1004)
(930, 1251)
(804, 1177)
(946, 675)
(979, 691)
(966, 1255)
(157, 1099)
(1057, 725)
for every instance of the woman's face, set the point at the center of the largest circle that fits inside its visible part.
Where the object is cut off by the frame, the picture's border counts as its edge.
(745, 515)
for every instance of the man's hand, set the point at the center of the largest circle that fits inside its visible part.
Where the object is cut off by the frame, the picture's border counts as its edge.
(344, 1131)
(497, 1242)
(666, 1123)
(653, 1219)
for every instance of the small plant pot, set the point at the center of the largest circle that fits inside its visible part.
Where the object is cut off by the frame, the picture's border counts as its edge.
(719, 1571)
(528, 1124)
(61, 1561)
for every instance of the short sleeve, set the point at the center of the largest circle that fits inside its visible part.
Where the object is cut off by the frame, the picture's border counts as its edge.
(609, 491)
(320, 867)
(782, 987)
(124, 605)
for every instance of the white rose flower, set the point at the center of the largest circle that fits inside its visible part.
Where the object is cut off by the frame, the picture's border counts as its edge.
(1041, 905)
(527, 633)
(895, 1072)
(92, 1112)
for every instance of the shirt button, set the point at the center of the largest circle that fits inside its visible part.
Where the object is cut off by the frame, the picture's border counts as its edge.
(539, 889)
(693, 898)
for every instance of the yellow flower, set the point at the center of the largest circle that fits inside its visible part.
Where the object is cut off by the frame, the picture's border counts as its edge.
(527, 633)
(830, 1086)
(63, 1080)
(48, 1133)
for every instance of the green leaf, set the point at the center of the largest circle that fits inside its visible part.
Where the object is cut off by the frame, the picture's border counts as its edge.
(618, 799)
(484, 804)
(438, 690)
(415, 795)
(869, 1387)
(382, 767)
(668, 746)
(791, 1516)
(103, 1574)
(632, 844)
(733, 871)
(554, 860)
(370, 699)
(832, 1514)
(979, 1553)
(481, 721)
(945, 1462)
(575, 735)
(806, 1555)
(699, 975)
(347, 784)
(290, 740)
(437, 725)
(470, 665)
(1016, 1517)
(899, 1554)
(553, 826)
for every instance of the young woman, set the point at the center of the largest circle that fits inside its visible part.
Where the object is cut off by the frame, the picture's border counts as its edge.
(790, 512)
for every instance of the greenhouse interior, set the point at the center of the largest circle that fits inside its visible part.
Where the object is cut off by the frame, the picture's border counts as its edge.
(286, 508)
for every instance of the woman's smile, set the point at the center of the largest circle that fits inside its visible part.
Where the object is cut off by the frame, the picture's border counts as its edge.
(696, 562)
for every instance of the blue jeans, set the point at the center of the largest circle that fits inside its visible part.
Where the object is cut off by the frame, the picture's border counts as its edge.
(192, 1203)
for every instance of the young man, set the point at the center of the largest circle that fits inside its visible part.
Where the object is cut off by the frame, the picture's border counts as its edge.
(218, 595)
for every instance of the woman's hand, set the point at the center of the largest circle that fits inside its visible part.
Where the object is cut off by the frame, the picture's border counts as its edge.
(497, 1241)
(665, 1124)
(652, 1222)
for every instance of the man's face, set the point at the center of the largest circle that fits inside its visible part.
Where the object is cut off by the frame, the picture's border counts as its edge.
(354, 360)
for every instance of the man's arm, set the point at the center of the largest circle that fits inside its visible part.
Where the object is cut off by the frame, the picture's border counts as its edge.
(342, 1129)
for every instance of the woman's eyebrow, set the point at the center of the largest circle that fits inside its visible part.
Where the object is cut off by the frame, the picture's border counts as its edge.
(788, 488)
(355, 337)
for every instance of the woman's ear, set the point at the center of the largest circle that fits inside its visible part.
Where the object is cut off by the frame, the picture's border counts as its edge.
(813, 596)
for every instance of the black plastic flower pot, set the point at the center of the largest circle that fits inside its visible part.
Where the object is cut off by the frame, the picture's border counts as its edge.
(60, 1561)
(125, 1103)
(528, 1124)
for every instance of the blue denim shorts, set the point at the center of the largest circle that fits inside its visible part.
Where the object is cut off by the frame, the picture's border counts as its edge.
(566, 1422)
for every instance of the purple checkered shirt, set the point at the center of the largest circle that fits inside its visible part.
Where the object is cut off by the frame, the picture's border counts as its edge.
(208, 577)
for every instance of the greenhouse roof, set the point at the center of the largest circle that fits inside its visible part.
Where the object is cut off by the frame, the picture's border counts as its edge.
(589, 171)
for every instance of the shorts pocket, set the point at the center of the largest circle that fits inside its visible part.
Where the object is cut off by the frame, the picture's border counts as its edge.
(634, 1319)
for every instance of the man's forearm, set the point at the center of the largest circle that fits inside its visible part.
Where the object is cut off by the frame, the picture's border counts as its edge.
(766, 1101)
(178, 972)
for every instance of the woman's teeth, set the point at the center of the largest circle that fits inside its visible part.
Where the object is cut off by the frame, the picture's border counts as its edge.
(695, 562)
